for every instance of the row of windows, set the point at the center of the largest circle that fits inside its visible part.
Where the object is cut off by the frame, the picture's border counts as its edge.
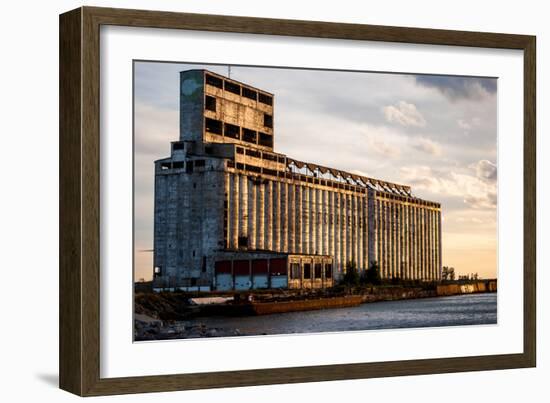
(325, 182)
(236, 132)
(237, 89)
(291, 175)
(254, 153)
(180, 165)
(317, 272)
(261, 155)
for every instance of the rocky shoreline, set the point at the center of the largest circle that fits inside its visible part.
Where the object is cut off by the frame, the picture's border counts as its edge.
(147, 329)
(166, 316)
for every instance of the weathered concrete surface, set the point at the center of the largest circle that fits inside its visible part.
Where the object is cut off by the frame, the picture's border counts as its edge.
(224, 189)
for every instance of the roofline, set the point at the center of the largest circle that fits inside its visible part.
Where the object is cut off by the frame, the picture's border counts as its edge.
(230, 79)
(349, 174)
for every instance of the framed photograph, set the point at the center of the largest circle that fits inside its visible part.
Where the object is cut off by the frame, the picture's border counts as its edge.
(248, 201)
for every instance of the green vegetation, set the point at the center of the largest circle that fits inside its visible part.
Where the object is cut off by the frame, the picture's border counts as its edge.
(448, 273)
(351, 277)
(469, 277)
(372, 275)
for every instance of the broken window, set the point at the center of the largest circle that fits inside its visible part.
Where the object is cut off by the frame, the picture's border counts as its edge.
(165, 165)
(210, 103)
(328, 270)
(295, 271)
(265, 99)
(254, 153)
(240, 150)
(214, 81)
(265, 140)
(243, 241)
(253, 168)
(177, 165)
(180, 145)
(157, 271)
(213, 126)
(232, 87)
(270, 157)
(249, 135)
(199, 163)
(268, 120)
(232, 131)
(307, 270)
(317, 270)
(251, 94)
(189, 167)
(271, 172)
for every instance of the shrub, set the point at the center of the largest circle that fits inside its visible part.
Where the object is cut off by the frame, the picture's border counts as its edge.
(351, 277)
(372, 275)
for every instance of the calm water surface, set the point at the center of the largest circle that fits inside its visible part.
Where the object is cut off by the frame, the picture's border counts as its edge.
(442, 311)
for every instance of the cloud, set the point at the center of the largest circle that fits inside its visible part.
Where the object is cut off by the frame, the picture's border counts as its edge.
(405, 114)
(464, 125)
(467, 125)
(455, 88)
(474, 220)
(155, 128)
(486, 200)
(360, 173)
(486, 170)
(427, 146)
(383, 148)
(474, 187)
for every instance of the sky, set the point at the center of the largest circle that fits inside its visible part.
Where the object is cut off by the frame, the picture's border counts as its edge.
(437, 134)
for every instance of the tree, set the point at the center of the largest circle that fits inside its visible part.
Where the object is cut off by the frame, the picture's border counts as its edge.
(372, 275)
(351, 277)
(448, 273)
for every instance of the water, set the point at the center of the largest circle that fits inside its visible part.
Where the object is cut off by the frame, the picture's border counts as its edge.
(458, 310)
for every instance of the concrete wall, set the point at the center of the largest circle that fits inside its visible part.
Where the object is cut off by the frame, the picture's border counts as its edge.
(311, 218)
(188, 222)
(191, 105)
(239, 110)
(405, 237)
(240, 196)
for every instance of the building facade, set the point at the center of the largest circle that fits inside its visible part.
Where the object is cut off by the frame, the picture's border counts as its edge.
(231, 213)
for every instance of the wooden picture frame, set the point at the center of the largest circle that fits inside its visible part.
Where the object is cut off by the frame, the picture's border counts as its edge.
(79, 201)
